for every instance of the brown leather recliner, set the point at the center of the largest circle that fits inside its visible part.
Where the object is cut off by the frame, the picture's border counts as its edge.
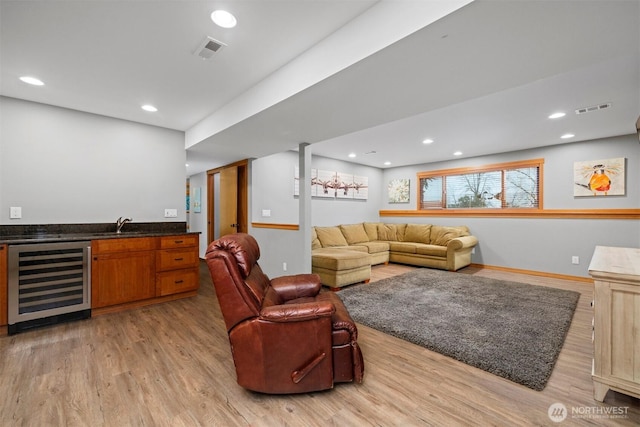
(286, 336)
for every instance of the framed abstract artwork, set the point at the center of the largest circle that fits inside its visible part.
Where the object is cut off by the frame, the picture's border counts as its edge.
(398, 190)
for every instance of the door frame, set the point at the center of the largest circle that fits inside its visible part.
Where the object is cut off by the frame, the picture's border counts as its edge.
(242, 194)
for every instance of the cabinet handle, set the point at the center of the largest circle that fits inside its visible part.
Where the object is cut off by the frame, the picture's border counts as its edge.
(178, 259)
(178, 241)
(178, 281)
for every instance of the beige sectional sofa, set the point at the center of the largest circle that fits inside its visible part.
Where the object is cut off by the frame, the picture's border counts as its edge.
(343, 254)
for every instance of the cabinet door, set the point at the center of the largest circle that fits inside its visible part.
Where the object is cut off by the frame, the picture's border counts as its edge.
(622, 360)
(3, 285)
(118, 278)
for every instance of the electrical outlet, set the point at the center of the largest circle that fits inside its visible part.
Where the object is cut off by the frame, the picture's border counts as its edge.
(170, 213)
(575, 260)
(266, 213)
(284, 266)
(15, 213)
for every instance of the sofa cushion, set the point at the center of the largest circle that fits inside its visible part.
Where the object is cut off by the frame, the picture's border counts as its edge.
(391, 232)
(354, 233)
(372, 247)
(404, 247)
(418, 233)
(371, 228)
(339, 259)
(432, 250)
(355, 248)
(315, 243)
(400, 230)
(388, 232)
(331, 236)
(442, 235)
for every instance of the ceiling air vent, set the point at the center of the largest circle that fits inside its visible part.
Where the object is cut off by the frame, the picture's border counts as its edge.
(593, 108)
(208, 48)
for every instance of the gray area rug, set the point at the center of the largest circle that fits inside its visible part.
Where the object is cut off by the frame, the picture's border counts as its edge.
(510, 329)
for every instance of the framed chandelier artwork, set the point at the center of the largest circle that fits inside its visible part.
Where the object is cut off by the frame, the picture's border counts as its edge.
(332, 185)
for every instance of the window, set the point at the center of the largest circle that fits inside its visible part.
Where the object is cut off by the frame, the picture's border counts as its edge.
(515, 185)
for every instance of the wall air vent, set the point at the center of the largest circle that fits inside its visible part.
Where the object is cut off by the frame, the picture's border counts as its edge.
(593, 108)
(208, 47)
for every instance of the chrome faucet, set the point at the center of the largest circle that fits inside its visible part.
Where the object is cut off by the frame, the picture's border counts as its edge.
(120, 223)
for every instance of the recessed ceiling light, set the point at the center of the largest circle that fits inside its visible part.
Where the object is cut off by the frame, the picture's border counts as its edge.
(32, 81)
(567, 136)
(149, 108)
(387, 163)
(458, 153)
(223, 19)
(557, 115)
(352, 155)
(427, 141)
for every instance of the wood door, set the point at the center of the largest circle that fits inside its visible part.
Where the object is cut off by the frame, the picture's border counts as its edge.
(228, 200)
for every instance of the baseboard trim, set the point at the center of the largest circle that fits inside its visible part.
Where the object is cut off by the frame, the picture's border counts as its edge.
(535, 273)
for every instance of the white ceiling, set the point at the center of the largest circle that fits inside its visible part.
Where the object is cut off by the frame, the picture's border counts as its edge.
(481, 80)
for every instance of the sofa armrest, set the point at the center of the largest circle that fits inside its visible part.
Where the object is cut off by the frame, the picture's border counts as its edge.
(296, 286)
(461, 243)
(286, 313)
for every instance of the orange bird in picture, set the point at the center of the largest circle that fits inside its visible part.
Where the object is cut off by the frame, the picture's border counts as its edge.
(599, 178)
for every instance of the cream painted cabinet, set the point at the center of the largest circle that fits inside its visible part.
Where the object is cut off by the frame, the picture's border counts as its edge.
(616, 359)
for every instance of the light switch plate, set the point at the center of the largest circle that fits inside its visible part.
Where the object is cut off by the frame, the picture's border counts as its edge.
(170, 213)
(16, 212)
(266, 213)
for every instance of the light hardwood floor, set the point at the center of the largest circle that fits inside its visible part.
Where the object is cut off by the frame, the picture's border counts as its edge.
(170, 365)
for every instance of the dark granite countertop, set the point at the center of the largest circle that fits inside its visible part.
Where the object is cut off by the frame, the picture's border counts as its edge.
(50, 233)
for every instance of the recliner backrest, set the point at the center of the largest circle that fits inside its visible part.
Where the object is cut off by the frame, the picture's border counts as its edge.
(239, 281)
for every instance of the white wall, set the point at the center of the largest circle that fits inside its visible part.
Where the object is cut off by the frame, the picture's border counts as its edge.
(540, 244)
(64, 166)
(272, 177)
(198, 221)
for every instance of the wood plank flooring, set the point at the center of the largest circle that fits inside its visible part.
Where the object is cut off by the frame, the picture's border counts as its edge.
(171, 365)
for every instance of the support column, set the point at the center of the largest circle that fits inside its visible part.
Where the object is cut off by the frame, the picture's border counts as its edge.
(304, 202)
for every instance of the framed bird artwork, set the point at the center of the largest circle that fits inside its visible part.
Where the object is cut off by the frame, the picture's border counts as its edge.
(599, 178)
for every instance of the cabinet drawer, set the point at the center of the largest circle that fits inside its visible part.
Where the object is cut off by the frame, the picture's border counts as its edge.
(171, 259)
(180, 241)
(173, 282)
(123, 245)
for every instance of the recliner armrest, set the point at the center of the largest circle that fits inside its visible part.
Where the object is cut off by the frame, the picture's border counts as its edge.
(296, 286)
(297, 312)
